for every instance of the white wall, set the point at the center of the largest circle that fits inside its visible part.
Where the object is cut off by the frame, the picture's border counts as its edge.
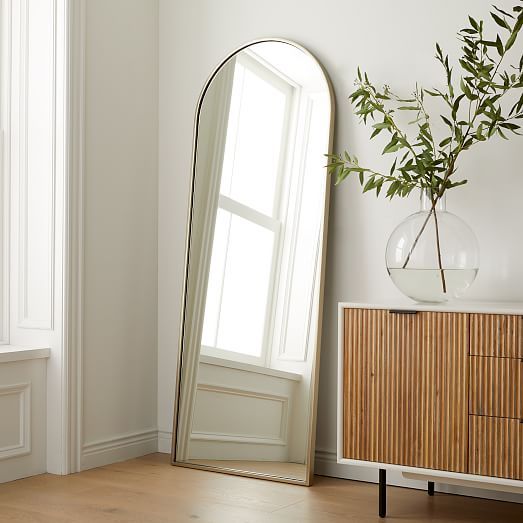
(394, 41)
(121, 195)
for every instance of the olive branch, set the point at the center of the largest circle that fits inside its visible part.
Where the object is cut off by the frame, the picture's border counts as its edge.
(476, 109)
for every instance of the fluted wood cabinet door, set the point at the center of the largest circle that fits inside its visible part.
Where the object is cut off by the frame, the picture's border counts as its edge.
(406, 388)
(496, 447)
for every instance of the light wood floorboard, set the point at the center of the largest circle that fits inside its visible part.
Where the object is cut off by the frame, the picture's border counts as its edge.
(150, 490)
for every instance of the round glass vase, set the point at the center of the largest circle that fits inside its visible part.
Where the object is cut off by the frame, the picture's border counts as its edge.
(433, 255)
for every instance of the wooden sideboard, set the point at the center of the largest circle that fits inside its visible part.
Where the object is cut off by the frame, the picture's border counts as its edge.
(433, 390)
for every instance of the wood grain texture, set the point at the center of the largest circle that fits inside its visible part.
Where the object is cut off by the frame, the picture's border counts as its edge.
(496, 447)
(149, 490)
(406, 388)
(496, 387)
(496, 335)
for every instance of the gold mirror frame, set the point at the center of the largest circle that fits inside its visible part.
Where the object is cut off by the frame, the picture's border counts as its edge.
(315, 376)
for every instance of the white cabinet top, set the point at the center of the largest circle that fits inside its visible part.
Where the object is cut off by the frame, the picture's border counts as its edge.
(500, 307)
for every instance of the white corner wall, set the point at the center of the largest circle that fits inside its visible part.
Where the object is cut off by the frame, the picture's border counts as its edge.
(119, 355)
(394, 42)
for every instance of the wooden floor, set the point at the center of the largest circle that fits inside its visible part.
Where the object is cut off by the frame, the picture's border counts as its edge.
(150, 490)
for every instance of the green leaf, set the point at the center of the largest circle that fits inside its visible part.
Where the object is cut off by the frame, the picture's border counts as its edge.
(500, 21)
(499, 46)
(468, 143)
(394, 186)
(445, 142)
(369, 185)
(479, 133)
(408, 108)
(473, 23)
(502, 12)
(466, 90)
(514, 35)
(511, 127)
(455, 107)
(392, 148)
(393, 168)
(500, 132)
(383, 125)
(468, 67)
(447, 121)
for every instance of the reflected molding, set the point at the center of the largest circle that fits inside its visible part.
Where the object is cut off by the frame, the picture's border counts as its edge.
(187, 382)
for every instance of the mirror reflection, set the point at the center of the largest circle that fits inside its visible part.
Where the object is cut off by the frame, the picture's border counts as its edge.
(253, 288)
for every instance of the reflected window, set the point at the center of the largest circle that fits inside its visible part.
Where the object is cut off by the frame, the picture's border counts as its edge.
(245, 253)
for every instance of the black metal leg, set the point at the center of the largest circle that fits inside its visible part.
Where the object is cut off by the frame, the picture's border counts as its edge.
(430, 488)
(383, 493)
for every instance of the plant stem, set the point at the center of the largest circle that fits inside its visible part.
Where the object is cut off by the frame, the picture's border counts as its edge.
(438, 244)
(442, 272)
(416, 240)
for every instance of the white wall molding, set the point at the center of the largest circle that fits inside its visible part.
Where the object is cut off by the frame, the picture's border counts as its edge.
(326, 465)
(119, 448)
(23, 446)
(5, 141)
(22, 418)
(46, 146)
(221, 424)
(37, 47)
(72, 381)
(165, 441)
(282, 400)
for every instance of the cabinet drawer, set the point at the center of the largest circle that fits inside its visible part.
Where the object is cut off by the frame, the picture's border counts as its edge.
(496, 387)
(496, 335)
(496, 447)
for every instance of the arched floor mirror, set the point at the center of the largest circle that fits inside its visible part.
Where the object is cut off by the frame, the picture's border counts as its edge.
(251, 326)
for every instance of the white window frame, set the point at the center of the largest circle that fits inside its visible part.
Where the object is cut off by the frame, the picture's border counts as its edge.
(273, 222)
(5, 38)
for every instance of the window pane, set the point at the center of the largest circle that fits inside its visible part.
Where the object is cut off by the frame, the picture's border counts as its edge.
(246, 281)
(253, 144)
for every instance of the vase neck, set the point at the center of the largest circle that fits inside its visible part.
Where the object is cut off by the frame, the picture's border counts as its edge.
(426, 201)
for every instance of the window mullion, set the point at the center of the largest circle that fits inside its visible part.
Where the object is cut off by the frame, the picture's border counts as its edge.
(252, 215)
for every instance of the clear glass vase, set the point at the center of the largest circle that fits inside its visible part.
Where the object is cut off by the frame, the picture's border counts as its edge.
(432, 256)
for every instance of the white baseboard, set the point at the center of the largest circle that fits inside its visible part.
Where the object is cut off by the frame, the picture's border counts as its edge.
(119, 448)
(327, 465)
(165, 439)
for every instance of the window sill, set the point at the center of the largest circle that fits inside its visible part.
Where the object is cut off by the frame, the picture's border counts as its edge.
(10, 353)
(230, 364)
